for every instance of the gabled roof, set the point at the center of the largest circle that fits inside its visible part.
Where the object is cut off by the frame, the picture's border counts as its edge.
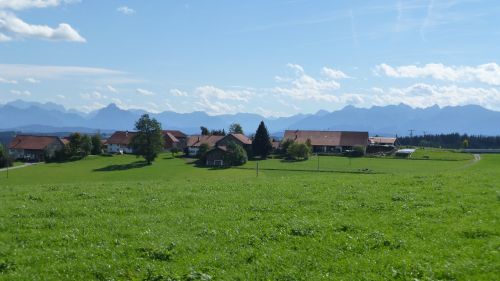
(197, 140)
(328, 138)
(176, 133)
(239, 137)
(33, 142)
(170, 136)
(121, 137)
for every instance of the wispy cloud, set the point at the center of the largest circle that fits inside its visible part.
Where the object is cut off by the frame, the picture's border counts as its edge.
(488, 73)
(25, 71)
(144, 92)
(126, 10)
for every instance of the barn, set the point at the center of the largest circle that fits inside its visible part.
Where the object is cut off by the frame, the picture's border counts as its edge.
(329, 141)
(34, 148)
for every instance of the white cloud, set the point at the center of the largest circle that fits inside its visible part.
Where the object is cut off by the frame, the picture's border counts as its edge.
(211, 92)
(32, 80)
(178, 93)
(126, 10)
(485, 73)
(425, 95)
(21, 71)
(6, 81)
(111, 89)
(144, 92)
(21, 93)
(305, 87)
(333, 73)
(92, 96)
(61, 96)
(91, 107)
(4, 38)
(28, 4)
(15, 26)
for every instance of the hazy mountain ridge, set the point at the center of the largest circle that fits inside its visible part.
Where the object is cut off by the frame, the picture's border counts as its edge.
(382, 120)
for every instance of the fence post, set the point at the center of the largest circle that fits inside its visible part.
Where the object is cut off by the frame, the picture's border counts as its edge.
(317, 156)
(257, 168)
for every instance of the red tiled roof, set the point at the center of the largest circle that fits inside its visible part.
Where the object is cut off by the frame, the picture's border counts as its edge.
(241, 137)
(121, 137)
(33, 142)
(198, 140)
(328, 138)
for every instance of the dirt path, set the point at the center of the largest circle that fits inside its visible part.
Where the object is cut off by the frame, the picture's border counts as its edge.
(19, 167)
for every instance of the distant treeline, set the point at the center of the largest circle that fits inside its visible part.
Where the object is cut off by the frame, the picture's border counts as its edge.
(454, 141)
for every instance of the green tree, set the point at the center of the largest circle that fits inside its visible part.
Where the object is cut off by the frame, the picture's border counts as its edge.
(236, 155)
(85, 146)
(5, 159)
(148, 142)
(202, 151)
(204, 131)
(299, 151)
(96, 144)
(235, 128)
(74, 145)
(465, 143)
(218, 132)
(261, 144)
(285, 144)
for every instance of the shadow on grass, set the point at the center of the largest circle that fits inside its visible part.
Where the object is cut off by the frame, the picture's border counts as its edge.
(123, 167)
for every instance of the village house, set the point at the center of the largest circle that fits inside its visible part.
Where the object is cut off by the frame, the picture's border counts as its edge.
(194, 142)
(174, 139)
(216, 157)
(34, 148)
(329, 141)
(119, 142)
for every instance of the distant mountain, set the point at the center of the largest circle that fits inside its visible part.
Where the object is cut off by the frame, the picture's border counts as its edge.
(386, 120)
(400, 119)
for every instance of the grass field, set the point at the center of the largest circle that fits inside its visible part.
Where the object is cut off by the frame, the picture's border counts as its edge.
(112, 218)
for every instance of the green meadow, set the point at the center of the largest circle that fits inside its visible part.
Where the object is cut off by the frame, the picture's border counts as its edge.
(433, 217)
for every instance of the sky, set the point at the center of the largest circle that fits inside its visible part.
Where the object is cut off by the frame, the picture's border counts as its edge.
(274, 58)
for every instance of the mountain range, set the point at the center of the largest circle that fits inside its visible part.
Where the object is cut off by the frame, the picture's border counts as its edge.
(391, 120)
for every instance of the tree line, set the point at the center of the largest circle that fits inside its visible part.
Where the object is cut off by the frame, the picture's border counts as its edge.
(452, 141)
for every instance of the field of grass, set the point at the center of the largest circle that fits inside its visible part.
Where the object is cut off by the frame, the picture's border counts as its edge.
(112, 218)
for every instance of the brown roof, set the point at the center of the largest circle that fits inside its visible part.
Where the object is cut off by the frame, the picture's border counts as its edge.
(378, 140)
(198, 140)
(241, 138)
(176, 133)
(328, 138)
(121, 137)
(169, 135)
(33, 142)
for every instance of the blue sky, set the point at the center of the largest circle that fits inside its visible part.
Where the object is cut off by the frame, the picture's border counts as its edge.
(275, 58)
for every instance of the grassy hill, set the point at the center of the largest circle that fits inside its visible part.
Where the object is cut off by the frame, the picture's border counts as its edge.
(111, 218)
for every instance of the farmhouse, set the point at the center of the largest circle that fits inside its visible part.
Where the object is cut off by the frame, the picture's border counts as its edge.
(194, 142)
(174, 139)
(34, 148)
(119, 142)
(329, 141)
(216, 156)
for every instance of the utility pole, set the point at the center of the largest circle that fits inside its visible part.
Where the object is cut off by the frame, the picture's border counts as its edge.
(411, 135)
